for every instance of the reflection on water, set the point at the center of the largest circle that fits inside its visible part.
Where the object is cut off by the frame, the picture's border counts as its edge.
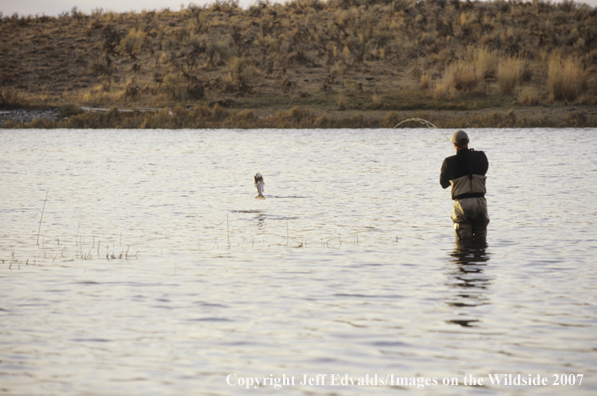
(470, 280)
(158, 272)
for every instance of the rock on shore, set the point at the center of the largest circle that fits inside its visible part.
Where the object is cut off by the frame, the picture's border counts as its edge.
(28, 115)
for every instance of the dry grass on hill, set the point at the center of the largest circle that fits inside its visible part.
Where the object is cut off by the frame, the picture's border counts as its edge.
(340, 55)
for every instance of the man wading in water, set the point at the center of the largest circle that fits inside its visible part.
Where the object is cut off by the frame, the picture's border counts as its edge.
(466, 171)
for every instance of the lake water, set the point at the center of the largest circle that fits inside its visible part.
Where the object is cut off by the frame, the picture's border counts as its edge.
(140, 263)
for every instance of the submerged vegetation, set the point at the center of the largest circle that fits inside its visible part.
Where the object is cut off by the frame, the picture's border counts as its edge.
(307, 63)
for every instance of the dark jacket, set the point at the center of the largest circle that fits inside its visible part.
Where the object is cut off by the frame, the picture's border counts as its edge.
(465, 162)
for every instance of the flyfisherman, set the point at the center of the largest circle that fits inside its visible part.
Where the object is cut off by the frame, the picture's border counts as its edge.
(465, 172)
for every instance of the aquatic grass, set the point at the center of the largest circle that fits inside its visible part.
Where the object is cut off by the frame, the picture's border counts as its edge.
(42, 216)
(236, 242)
(71, 250)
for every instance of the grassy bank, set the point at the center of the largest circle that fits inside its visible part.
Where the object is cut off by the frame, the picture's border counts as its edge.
(301, 117)
(308, 63)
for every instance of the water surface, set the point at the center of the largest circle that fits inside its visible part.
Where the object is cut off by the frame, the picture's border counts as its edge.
(155, 271)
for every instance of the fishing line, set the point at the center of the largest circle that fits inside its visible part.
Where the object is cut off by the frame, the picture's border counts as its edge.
(424, 122)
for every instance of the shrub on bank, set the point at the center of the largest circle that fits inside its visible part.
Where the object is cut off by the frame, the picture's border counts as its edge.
(508, 75)
(567, 80)
(487, 63)
(529, 96)
(511, 72)
(463, 76)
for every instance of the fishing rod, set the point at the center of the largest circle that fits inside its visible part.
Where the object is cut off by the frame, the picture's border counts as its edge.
(424, 122)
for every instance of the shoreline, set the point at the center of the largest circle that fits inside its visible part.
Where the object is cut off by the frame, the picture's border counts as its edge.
(218, 117)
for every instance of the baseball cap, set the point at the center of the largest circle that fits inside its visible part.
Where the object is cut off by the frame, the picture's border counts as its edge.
(459, 137)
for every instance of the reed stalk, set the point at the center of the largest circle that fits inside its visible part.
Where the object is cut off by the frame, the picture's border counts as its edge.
(42, 217)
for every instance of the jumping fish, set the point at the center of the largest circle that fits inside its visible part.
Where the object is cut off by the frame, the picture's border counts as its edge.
(259, 183)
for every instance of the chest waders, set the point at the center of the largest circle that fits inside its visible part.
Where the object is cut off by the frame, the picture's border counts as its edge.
(469, 213)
